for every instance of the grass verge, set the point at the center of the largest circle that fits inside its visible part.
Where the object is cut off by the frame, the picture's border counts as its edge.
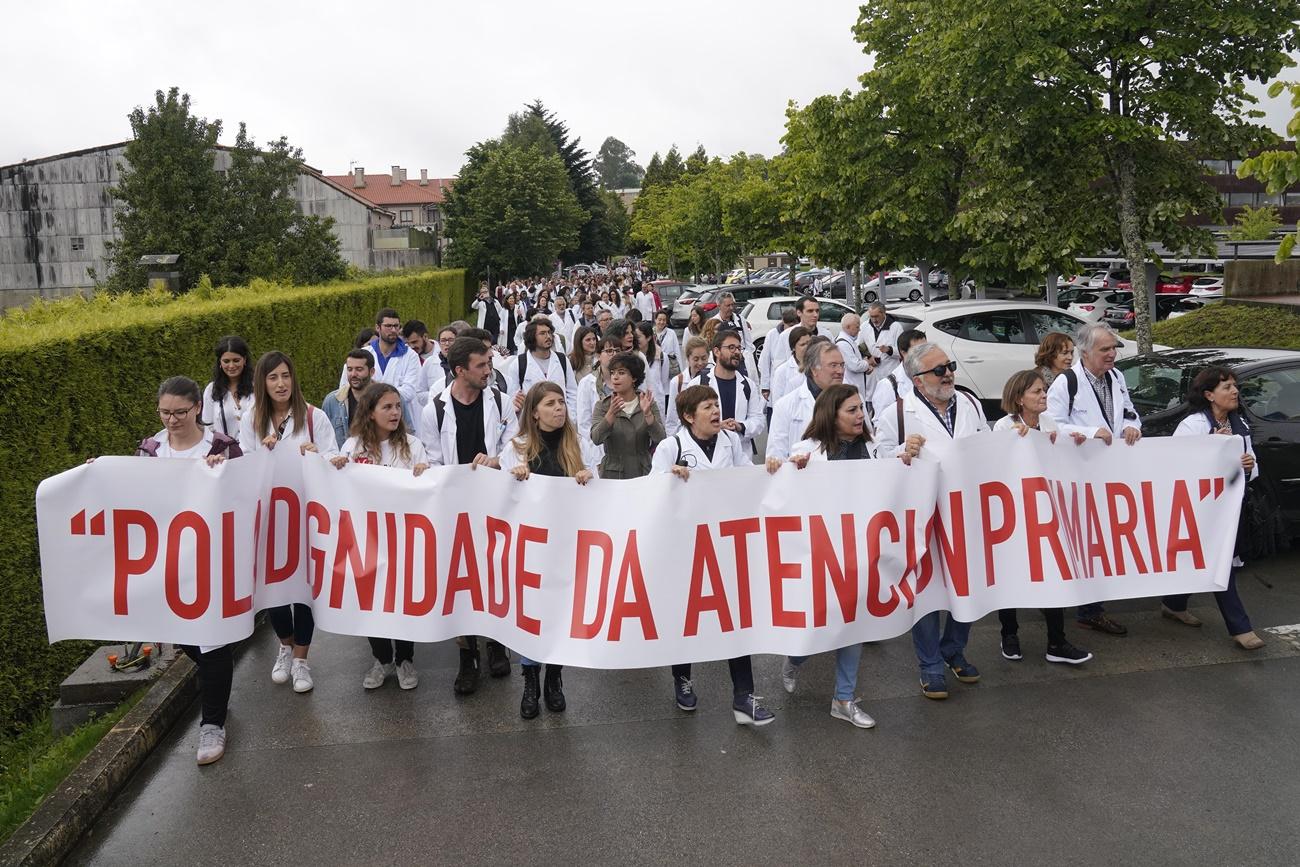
(34, 763)
(1221, 324)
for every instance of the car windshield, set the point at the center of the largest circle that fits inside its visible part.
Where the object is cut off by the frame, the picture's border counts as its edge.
(1160, 382)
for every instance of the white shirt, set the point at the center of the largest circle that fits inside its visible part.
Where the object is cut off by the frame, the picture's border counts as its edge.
(672, 424)
(225, 418)
(730, 451)
(671, 346)
(776, 349)
(388, 456)
(918, 419)
(785, 379)
(855, 365)
(645, 302)
(657, 375)
(199, 450)
(553, 369)
(317, 430)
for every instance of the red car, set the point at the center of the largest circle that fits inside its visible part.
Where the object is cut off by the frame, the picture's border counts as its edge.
(1165, 285)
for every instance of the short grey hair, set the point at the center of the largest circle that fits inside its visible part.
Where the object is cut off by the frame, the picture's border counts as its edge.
(726, 295)
(876, 305)
(849, 318)
(912, 364)
(1087, 336)
(812, 355)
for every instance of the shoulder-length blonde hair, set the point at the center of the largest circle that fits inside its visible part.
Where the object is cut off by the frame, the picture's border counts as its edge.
(528, 444)
(367, 432)
(262, 408)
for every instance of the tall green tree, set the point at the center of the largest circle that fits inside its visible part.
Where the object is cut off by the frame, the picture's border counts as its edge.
(1134, 82)
(170, 196)
(512, 210)
(234, 225)
(1279, 169)
(615, 166)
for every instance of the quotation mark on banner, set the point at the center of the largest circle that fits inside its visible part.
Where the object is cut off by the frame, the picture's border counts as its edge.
(79, 524)
(1216, 483)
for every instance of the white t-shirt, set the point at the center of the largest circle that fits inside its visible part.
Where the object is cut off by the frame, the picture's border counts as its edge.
(198, 450)
(388, 456)
(1046, 423)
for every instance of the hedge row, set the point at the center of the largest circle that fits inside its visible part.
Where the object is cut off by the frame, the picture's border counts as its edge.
(1232, 324)
(80, 378)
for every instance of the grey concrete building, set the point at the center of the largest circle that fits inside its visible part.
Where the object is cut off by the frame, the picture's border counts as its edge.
(57, 216)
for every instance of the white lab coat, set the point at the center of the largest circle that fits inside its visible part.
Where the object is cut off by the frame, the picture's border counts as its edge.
(749, 410)
(1087, 418)
(440, 445)
(588, 396)
(776, 349)
(671, 347)
(1197, 424)
(817, 452)
(227, 416)
(790, 417)
(918, 419)
(388, 456)
(730, 451)
(785, 379)
(876, 341)
(317, 430)
(482, 306)
(672, 423)
(646, 303)
(855, 366)
(884, 395)
(555, 369)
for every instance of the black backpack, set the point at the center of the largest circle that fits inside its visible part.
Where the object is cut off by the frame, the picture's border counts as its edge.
(523, 366)
(441, 411)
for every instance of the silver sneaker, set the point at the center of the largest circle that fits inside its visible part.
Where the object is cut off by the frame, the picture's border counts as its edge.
(850, 712)
(789, 675)
(377, 674)
(283, 662)
(212, 744)
(302, 681)
(406, 676)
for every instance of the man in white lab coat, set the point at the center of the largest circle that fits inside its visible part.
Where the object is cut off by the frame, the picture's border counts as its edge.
(540, 361)
(395, 363)
(857, 368)
(825, 366)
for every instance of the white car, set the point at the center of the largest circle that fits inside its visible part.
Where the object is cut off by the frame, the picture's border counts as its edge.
(1092, 306)
(990, 340)
(898, 287)
(1097, 280)
(1207, 287)
(764, 314)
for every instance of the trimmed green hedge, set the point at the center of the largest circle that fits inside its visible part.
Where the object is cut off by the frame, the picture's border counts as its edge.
(79, 378)
(1228, 324)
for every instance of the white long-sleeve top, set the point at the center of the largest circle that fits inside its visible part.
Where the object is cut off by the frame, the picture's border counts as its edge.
(1198, 424)
(388, 456)
(316, 429)
(554, 369)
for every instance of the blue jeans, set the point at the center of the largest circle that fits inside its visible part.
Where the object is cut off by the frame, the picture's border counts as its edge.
(932, 649)
(1230, 606)
(846, 670)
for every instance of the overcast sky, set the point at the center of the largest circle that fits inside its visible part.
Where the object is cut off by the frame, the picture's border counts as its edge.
(415, 84)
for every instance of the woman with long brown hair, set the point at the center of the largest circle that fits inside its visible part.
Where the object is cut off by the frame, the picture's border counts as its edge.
(379, 437)
(837, 431)
(547, 445)
(583, 356)
(281, 415)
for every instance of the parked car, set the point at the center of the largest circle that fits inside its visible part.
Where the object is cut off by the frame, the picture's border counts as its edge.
(1269, 382)
(803, 281)
(1097, 280)
(1209, 286)
(990, 340)
(1190, 305)
(744, 292)
(1121, 316)
(669, 291)
(764, 312)
(1066, 295)
(898, 287)
(1092, 306)
(687, 295)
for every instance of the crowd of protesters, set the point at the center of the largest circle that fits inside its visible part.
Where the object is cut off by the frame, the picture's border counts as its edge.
(586, 379)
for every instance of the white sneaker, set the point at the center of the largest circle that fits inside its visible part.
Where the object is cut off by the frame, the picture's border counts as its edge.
(302, 676)
(406, 676)
(212, 743)
(849, 711)
(283, 660)
(789, 675)
(377, 674)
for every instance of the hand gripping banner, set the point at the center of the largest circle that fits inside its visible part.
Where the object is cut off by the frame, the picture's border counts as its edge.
(622, 574)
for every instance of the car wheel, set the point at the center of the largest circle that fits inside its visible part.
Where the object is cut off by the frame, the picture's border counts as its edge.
(914, 295)
(869, 297)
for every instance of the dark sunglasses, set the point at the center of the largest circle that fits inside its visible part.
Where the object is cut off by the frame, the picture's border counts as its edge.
(950, 367)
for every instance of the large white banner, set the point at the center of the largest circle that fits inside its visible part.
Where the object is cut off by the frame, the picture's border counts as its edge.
(622, 574)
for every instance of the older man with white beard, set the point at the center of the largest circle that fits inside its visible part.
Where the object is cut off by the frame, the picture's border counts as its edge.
(922, 425)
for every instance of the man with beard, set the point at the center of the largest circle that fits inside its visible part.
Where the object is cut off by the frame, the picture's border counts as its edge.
(738, 395)
(340, 406)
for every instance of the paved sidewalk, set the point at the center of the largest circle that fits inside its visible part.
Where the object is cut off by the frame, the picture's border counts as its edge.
(1172, 747)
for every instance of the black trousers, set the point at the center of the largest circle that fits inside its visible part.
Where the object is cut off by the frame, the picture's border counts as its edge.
(1055, 618)
(392, 650)
(216, 673)
(294, 621)
(742, 674)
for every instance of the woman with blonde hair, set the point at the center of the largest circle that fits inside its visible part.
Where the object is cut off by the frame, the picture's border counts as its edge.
(379, 437)
(547, 445)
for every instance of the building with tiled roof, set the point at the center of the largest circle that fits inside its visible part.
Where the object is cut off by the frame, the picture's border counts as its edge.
(414, 203)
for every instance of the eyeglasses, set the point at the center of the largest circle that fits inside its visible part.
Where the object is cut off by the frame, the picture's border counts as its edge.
(177, 414)
(950, 367)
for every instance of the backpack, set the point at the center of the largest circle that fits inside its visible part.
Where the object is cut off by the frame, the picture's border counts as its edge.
(744, 381)
(1071, 387)
(440, 410)
(523, 366)
(898, 408)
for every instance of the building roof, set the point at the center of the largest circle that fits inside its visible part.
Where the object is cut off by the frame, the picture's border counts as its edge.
(379, 189)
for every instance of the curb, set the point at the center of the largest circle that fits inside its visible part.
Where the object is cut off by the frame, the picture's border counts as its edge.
(69, 811)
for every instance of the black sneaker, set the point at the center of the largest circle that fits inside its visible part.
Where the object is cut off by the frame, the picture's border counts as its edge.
(467, 678)
(1011, 648)
(684, 693)
(1068, 654)
(498, 659)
